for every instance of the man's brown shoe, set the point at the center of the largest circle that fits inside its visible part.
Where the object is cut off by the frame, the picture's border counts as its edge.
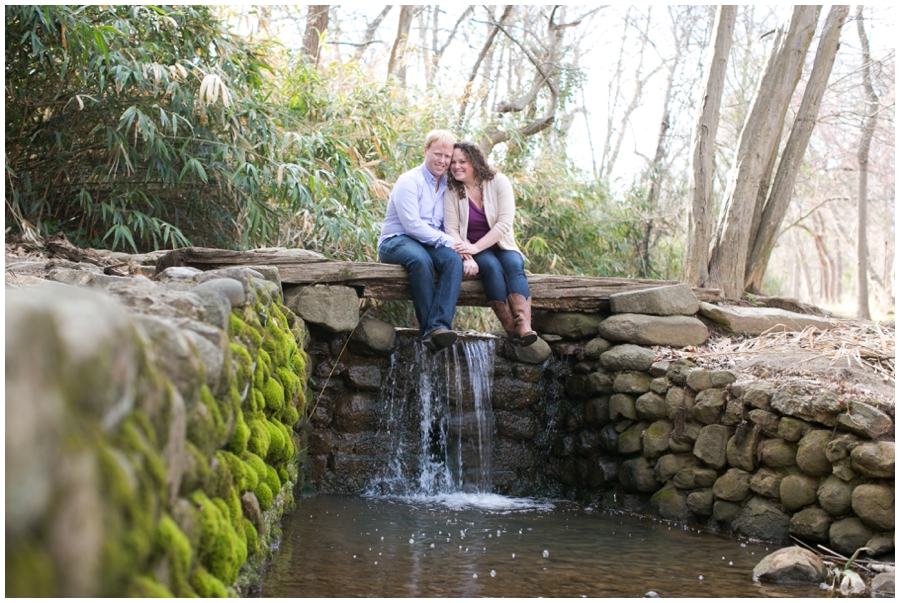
(439, 339)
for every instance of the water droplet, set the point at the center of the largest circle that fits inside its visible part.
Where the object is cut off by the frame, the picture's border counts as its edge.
(513, 555)
(498, 533)
(701, 577)
(354, 556)
(411, 541)
(376, 563)
(546, 554)
(493, 573)
(723, 558)
(448, 540)
(474, 575)
(460, 547)
(731, 563)
(382, 537)
(432, 545)
(520, 531)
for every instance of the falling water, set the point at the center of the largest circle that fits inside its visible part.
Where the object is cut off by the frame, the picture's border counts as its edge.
(439, 420)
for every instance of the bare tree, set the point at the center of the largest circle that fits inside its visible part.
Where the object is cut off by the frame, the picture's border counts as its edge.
(371, 28)
(760, 133)
(779, 197)
(316, 25)
(397, 62)
(485, 48)
(703, 148)
(862, 251)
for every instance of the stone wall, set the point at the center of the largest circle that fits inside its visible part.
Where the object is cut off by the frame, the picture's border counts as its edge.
(587, 412)
(149, 440)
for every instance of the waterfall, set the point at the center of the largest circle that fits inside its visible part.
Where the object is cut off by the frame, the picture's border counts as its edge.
(438, 420)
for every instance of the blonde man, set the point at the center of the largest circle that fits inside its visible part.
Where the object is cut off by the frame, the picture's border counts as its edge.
(413, 237)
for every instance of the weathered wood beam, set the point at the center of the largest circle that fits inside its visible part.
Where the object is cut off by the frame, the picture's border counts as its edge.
(388, 282)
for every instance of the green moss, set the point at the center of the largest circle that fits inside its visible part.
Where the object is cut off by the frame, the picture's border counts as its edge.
(260, 437)
(221, 550)
(272, 480)
(174, 544)
(277, 442)
(290, 416)
(264, 496)
(146, 587)
(290, 381)
(256, 464)
(259, 401)
(206, 427)
(206, 585)
(274, 395)
(252, 538)
(29, 572)
(238, 441)
(197, 473)
(283, 476)
(237, 467)
(244, 374)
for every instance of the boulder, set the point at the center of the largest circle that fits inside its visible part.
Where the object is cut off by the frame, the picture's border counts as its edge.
(874, 505)
(811, 453)
(353, 412)
(659, 385)
(767, 482)
(743, 455)
(777, 453)
(678, 371)
(767, 422)
(710, 445)
(797, 491)
(536, 353)
(627, 357)
(733, 486)
(517, 425)
(333, 307)
(708, 405)
(670, 464)
(807, 400)
(874, 459)
(596, 347)
(676, 331)
(692, 478)
(631, 440)
(883, 586)
(596, 411)
(373, 337)
(792, 430)
(700, 502)
(761, 519)
(685, 442)
(675, 398)
(758, 394)
(725, 512)
(660, 368)
(753, 321)
(866, 420)
(621, 405)
(572, 325)
(651, 406)
(881, 544)
(791, 565)
(699, 379)
(811, 524)
(363, 377)
(847, 535)
(658, 301)
(835, 496)
(841, 446)
(599, 382)
(670, 504)
(656, 439)
(636, 475)
(734, 413)
(508, 393)
(631, 382)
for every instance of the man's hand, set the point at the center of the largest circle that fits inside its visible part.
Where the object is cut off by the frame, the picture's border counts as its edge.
(464, 248)
(470, 268)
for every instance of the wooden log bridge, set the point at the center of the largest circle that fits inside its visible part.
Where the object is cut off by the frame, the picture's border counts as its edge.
(560, 293)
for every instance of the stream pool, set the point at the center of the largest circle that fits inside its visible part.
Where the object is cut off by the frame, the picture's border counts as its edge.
(486, 545)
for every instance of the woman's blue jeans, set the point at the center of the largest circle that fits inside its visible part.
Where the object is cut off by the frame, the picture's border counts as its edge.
(435, 305)
(503, 273)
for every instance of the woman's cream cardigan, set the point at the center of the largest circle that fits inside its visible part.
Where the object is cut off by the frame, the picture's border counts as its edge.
(499, 209)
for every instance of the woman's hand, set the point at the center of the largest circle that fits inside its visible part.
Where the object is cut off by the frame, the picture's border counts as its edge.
(470, 268)
(464, 248)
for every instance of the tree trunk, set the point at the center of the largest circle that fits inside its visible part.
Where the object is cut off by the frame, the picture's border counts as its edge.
(703, 148)
(316, 24)
(488, 43)
(862, 159)
(761, 131)
(792, 157)
(397, 62)
(371, 28)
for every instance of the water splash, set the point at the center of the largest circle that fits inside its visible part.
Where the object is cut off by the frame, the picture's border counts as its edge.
(439, 420)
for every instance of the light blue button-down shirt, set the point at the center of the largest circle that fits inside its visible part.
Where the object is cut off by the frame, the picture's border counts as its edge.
(416, 208)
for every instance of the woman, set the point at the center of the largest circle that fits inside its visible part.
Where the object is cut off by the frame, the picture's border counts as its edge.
(478, 213)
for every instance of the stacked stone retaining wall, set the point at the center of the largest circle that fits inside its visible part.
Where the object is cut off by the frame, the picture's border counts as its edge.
(588, 413)
(150, 448)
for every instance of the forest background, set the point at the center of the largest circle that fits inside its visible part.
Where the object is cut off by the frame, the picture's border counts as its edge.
(141, 127)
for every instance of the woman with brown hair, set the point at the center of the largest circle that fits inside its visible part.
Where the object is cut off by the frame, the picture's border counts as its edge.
(479, 208)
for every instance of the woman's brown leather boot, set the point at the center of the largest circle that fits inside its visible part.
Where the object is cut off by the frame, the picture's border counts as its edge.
(501, 310)
(521, 308)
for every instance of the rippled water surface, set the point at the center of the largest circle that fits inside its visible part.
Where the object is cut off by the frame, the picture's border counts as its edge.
(461, 545)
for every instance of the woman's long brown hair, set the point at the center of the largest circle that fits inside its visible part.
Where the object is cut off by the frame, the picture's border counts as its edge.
(483, 172)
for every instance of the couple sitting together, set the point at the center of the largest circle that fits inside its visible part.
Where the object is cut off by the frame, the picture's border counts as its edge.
(454, 224)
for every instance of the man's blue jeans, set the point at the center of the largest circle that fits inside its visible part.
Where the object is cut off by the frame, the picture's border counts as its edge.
(503, 273)
(434, 306)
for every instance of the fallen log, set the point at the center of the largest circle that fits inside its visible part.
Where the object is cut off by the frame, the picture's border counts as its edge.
(387, 282)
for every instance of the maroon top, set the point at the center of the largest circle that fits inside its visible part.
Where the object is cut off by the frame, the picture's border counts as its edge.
(478, 224)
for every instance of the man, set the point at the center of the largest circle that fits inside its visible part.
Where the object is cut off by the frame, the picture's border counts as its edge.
(412, 237)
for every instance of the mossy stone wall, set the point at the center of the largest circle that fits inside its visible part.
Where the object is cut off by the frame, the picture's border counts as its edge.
(150, 443)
